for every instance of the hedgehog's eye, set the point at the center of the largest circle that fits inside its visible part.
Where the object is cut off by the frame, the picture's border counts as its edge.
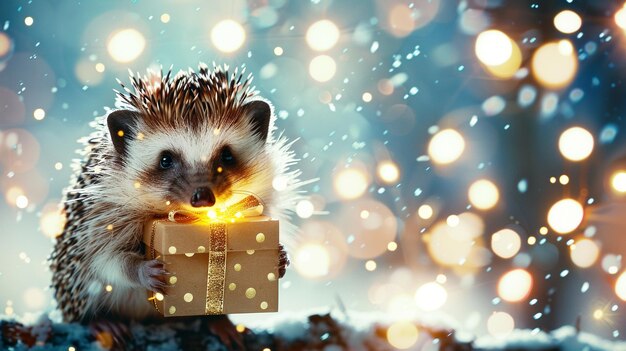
(227, 157)
(166, 160)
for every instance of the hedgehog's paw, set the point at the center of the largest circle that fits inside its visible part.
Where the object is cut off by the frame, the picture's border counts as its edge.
(153, 276)
(283, 261)
(111, 334)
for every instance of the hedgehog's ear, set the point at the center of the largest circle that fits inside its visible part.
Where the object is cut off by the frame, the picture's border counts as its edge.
(121, 125)
(260, 114)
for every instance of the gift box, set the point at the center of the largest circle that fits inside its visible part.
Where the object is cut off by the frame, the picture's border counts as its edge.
(217, 266)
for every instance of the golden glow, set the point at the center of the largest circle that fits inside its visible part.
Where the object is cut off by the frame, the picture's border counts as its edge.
(510, 66)
(29, 21)
(322, 35)
(322, 68)
(565, 216)
(452, 243)
(506, 243)
(425, 212)
(52, 223)
(278, 51)
(126, 45)
(388, 172)
(493, 47)
(598, 314)
(304, 209)
(584, 253)
(228, 36)
(554, 64)
(165, 18)
(100, 67)
(392, 246)
(618, 181)
(576, 144)
(446, 146)
(567, 22)
(431, 296)
(39, 114)
(367, 97)
(312, 261)
(402, 335)
(483, 194)
(350, 183)
(515, 285)
(21, 201)
(500, 324)
(620, 18)
(5, 44)
(370, 265)
(564, 179)
(620, 286)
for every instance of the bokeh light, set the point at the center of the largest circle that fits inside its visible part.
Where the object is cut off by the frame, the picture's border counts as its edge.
(322, 68)
(515, 285)
(500, 324)
(576, 144)
(618, 181)
(39, 114)
(388, 172)
(567, 21)
(425, 211)
(565, 216)
(322, 35)
(228, 36)
(620, 286)
(431, 296)
(312, 261)
(493, 47)
(506, 243)
(126, 45)
(370, 226)
(446, 146)
(584, 253)
(402, 335)
(555, 64)
(351, 183)
(483, 194)
(453, 242)
(620, 18)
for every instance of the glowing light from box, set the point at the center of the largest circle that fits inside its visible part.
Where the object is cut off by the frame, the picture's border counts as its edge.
(483, 194)
(39, 114)
(388, 172)
(506, 243)
(322, 35)
(322, 68)
(620, 286)
(312, 261)
(21, 201)
(584, 253)
(52, 223)
(567, 22)
(620, 18)
(350, 183)
(446, 146)
(576, 144)
(304, 209)
(500, 324)
(126, 45)
(565, 216)
(431, 296)
(493, 47)
(554, 64)
(515, 285)
(618, 181)
(425, 212)
(402, 335)
(228, 36)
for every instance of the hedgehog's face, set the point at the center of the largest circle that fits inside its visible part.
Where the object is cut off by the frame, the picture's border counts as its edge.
(194, 168)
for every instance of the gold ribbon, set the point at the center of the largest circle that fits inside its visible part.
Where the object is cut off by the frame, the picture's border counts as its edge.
(216, 272)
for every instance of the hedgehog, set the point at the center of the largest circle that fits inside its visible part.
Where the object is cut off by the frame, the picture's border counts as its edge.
(187, 141)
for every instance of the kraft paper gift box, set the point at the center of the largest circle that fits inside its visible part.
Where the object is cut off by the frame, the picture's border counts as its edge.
(217, 267)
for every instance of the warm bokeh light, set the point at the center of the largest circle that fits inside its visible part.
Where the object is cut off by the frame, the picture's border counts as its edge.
(304, 209)
(509, 67)
(5, 44)
(483, 194)
(431, 296)
(312, 261)
(567, 22)
(452, 243)
(584, 253)
(506, 243)
(21, 201)
(554, 64)
(620, 286)
(126, 45)
(388, 172)
(515, 285)
(618, 181)
(322, 35)
(228, 36)
(28, 21)
(402, 335)
(446, 146)
(51, 222)
(322, 68)
(350, 183)
(500, 324)
(493, 47)
(425, 211)
(39, 114)
(565, 216)
(576, 144)
(620, 18)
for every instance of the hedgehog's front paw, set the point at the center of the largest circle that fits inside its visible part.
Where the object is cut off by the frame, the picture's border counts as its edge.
(153, 276)
(283, 261)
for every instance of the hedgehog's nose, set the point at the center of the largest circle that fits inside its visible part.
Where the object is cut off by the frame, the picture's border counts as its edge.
(203, 197)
